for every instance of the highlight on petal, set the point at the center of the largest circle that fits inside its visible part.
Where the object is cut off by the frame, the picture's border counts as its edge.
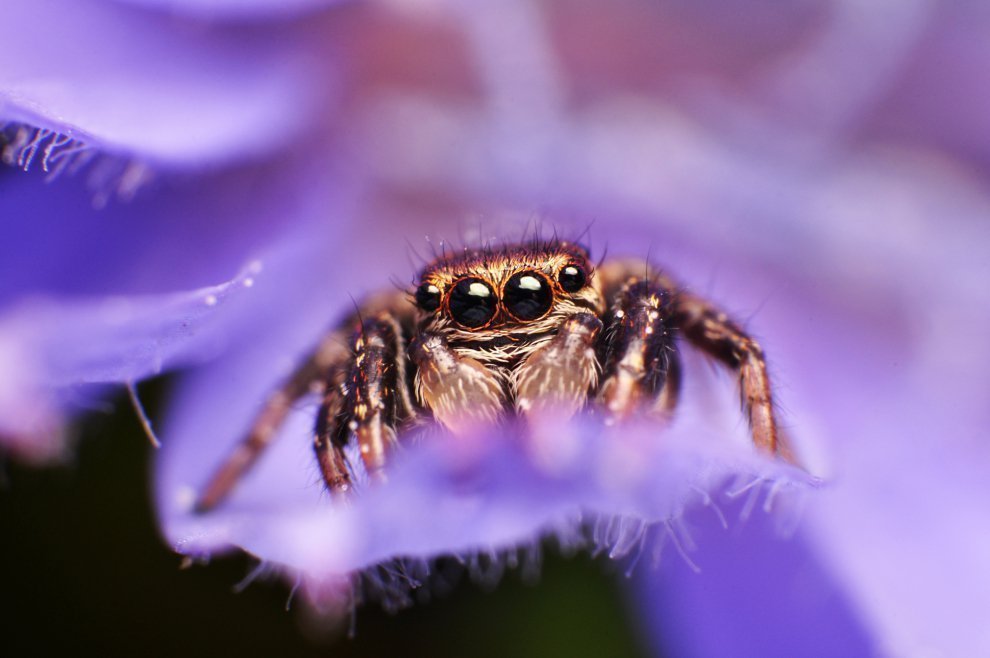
(102, 296)
(148, 86)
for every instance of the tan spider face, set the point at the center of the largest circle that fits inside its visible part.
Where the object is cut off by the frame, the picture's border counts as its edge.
(480, 295)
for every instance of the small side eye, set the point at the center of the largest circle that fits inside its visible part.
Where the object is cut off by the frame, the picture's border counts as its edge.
(572, 278)
(428, 297)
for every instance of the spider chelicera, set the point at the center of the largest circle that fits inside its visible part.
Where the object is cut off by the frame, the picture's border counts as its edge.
(526, 330)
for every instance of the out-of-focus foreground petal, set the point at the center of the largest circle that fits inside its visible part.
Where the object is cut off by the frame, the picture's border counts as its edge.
(752, 589)
(138, 83)
(93, 292)
(492, 492)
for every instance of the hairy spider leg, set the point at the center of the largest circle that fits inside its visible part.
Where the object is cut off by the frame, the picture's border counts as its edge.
(709, 329)
(642, 370)
(367, 397)
(309, 377)
(712, 331)
(326, 366)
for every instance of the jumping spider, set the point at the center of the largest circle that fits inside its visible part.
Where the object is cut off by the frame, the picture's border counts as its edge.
(525, 329)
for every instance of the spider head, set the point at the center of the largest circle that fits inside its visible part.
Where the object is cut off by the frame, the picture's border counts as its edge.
(513, 289)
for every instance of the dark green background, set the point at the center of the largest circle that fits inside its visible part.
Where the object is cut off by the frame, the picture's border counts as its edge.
(85, 573)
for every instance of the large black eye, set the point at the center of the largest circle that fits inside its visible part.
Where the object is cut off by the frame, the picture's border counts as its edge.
(472, 302)
(527, 296)
(428, 297)
(572, 278)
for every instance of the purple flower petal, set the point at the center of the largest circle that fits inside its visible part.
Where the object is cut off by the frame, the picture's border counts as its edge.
(749, 590)
(135, 83)
(116, 294)
(113, 339)
(236, 9)
(877, 340)
(490, 492)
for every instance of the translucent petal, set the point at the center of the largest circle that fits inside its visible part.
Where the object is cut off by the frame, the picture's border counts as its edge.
(143, 84)
(47, 344)
(488, 492)
(876, 342)
(93, 296)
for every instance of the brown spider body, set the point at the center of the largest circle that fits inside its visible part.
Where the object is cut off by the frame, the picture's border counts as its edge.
(531, 331)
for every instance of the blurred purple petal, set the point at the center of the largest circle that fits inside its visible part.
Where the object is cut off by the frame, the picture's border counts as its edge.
(489, 492)
(939, 97)
(725, 607)
(97, 295)
(236, 9)
(129, 82)
(897, 407)
(178, 233)
(47, 345)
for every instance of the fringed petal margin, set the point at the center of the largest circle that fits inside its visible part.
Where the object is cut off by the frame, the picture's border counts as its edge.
(485, 501)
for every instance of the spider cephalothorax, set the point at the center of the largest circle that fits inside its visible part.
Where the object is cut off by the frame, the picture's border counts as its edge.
(525, 330)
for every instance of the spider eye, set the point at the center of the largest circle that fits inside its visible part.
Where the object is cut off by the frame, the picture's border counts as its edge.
(472, 303)
(572, 278)
(527, 296)
(428, 297)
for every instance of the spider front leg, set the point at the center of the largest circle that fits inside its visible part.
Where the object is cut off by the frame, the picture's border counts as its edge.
(328, 370)
(642, 370)
(367, 397)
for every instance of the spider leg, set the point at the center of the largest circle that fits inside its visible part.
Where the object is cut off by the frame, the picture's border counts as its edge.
(369, 397)
(325, 371)
(557, 377)
(711, 330)
(459, 390)
(642, 371)
(308, 377)
(670, 392)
